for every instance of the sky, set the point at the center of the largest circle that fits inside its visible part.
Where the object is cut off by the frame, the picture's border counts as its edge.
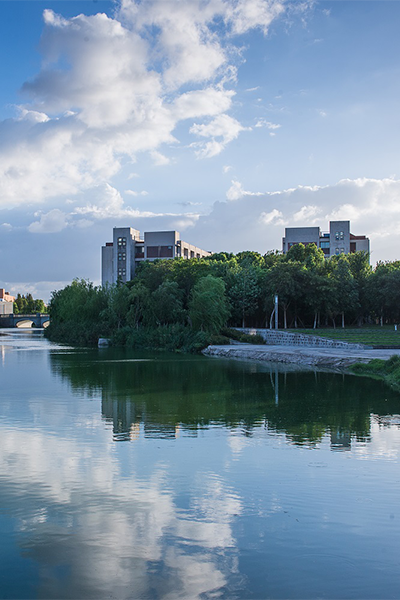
(227, 120)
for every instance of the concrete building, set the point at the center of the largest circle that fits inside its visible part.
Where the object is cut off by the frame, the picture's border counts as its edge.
(120, 257)
(6, 303)
(338, 240)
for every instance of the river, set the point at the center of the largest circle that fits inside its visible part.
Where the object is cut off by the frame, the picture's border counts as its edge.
(148, 475)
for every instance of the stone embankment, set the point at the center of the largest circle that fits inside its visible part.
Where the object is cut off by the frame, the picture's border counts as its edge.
(273, 337)
(336, 358)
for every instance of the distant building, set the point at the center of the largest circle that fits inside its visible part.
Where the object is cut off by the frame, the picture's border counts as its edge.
(6, 303)
(120, 257)
(338, 240)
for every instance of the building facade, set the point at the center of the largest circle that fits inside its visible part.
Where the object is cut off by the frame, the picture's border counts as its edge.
(120, 257)
(6, 302)
(338, 240)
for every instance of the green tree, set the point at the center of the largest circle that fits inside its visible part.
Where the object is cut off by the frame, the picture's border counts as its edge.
(287, 280)
(167, 304)
(139, 303)
(361, 271)
(345, 294)
(208, 306)
(245, 293)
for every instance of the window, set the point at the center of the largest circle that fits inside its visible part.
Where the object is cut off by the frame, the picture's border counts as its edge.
(341, 250)
(121, 241)
(166, 252)
(186, 253)
(339, 235)
(191, 254)
(336, 251)
(152, 251)
(121, 256)
(324, 245)
(139, 251)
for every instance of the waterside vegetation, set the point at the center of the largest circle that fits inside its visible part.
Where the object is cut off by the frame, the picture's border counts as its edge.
(26, 305)
(187, 304)
(387, 370)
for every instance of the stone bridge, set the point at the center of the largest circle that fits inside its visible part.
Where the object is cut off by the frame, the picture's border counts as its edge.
(32, 320)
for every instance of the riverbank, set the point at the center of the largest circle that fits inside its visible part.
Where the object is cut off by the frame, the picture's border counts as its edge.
(331, 358)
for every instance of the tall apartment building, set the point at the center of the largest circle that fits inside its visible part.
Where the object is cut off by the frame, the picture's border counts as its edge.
(120, 257)
(338, 240)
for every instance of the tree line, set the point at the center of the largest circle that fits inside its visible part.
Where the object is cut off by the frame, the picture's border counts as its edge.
(199, 297)
(25, 305)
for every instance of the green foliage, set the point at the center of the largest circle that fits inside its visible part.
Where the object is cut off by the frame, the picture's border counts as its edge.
(388, 370)
(25, 305)
(245, 338)
(77, 313)
(245, 292)
(208, 306)
(165, 337)
(205, 295)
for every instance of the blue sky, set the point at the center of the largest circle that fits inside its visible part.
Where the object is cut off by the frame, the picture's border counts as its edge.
(224, 119)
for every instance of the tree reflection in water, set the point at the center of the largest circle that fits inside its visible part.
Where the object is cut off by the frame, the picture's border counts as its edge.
(163, 395)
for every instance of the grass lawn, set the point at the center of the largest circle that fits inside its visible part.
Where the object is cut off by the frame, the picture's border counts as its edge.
(370, 335)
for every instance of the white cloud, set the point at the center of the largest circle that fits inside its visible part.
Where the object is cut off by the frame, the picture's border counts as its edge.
(248, 219)
(227, 168)
(111, 87)
(135, 193)
(275, 217)
(52, 222)
(105, 202)
(307, 214)
(236, 191)
(159, 158)
(224, 127)
(202, 103)
(246, 14)
(267, 124)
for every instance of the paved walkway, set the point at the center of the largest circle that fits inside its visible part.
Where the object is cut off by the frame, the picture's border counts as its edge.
(333, 358)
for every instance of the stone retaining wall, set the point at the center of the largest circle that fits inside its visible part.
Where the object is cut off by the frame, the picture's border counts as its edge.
(284, 338)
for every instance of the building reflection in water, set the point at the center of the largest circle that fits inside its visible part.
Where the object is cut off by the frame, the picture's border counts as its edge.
(165, 396)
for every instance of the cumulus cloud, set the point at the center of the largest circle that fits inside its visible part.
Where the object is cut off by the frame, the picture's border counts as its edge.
(307, 214)
(249, 220)
(105, 202)
(112, 87)
(52, 222)
(236, 191)
(275, 217)
(222, 130)
(246, 14)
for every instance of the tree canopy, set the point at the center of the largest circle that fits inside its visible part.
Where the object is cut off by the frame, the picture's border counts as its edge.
(206, 294)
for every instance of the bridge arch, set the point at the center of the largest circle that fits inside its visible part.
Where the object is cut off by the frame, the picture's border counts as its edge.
(24, 324)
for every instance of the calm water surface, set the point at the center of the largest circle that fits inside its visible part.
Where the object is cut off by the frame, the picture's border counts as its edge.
(145, 475)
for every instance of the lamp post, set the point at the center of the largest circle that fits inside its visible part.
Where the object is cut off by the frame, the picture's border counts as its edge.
(276, 311)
